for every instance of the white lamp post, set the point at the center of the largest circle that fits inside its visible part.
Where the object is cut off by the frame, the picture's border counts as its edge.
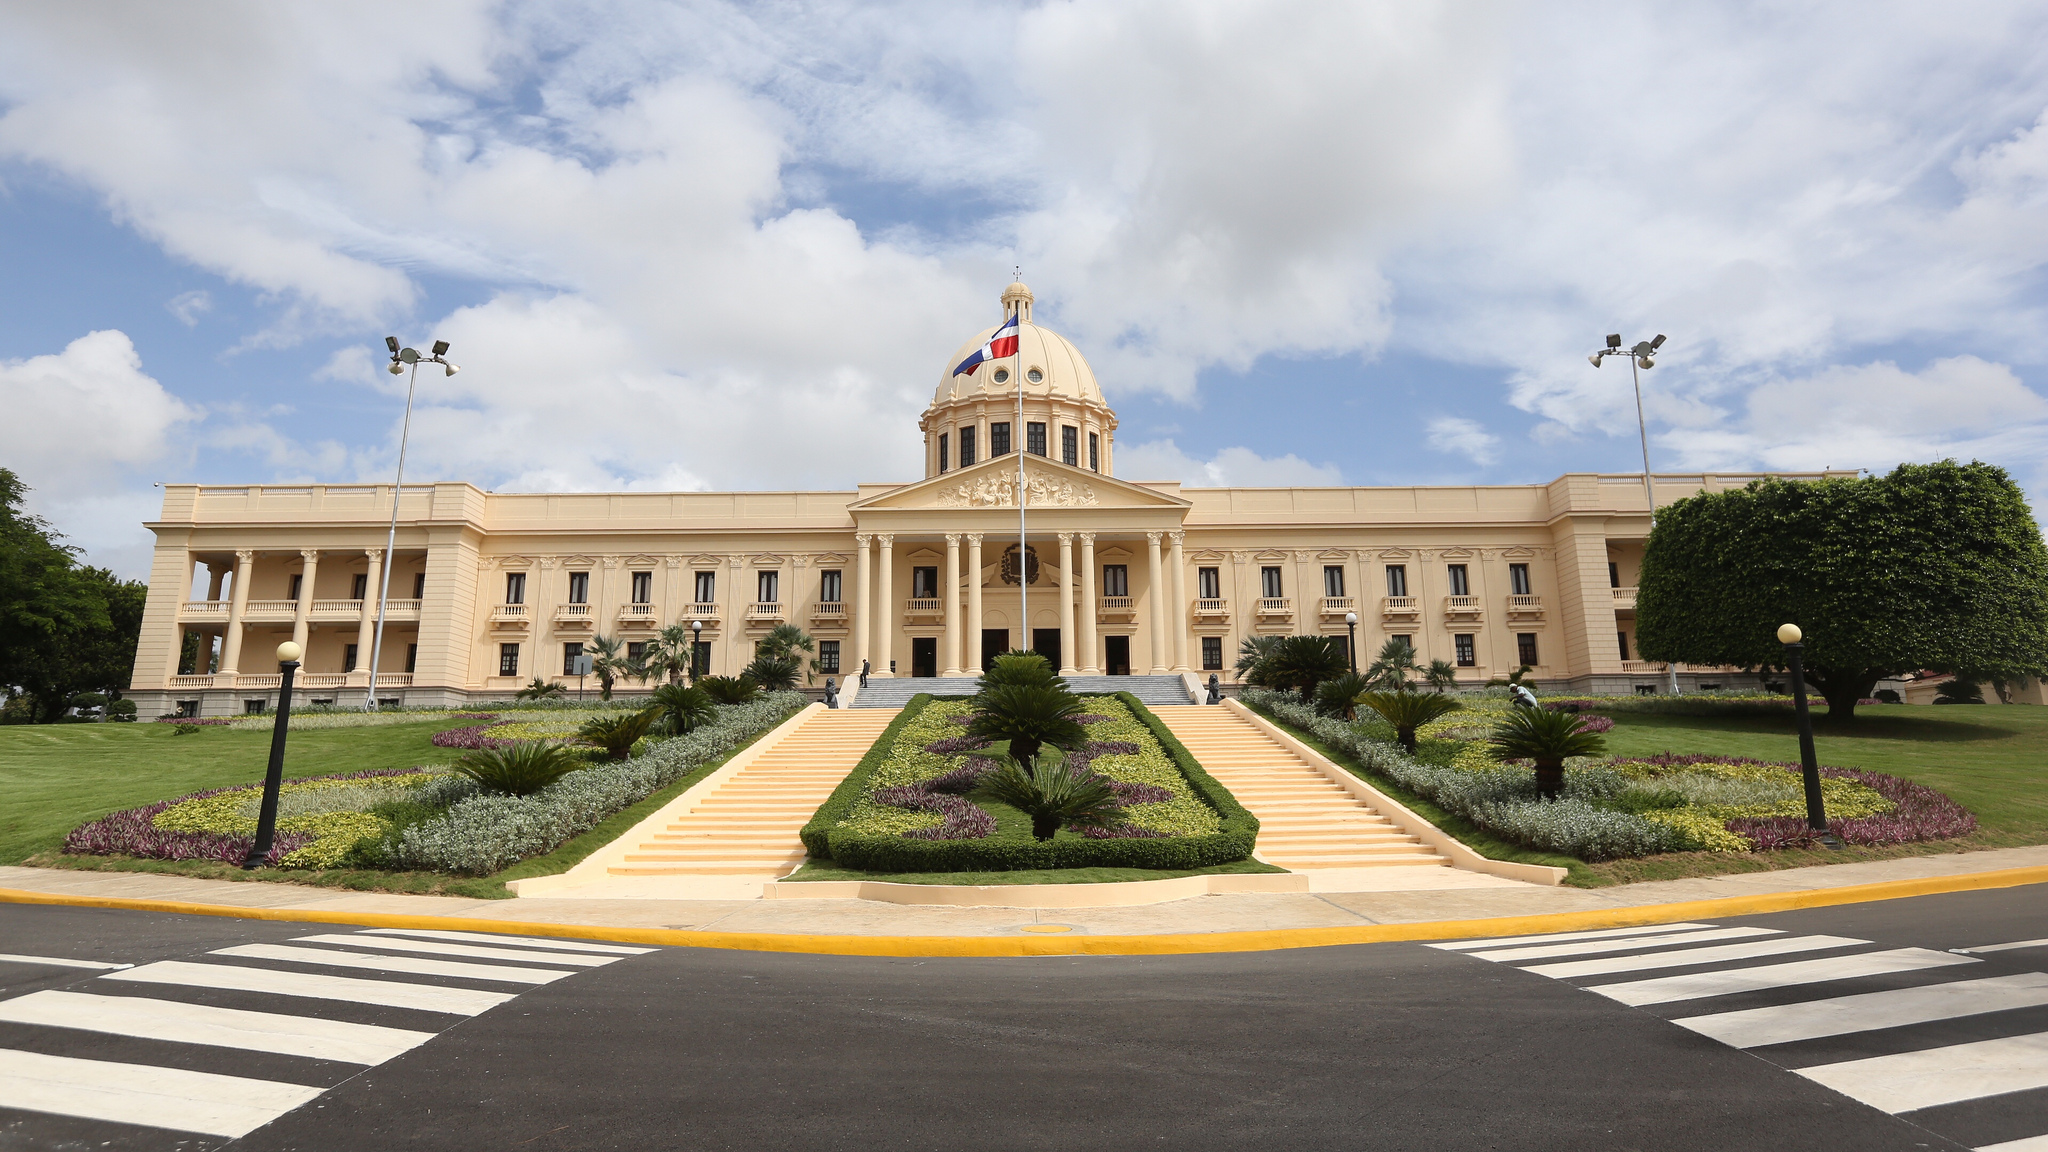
(402, 359)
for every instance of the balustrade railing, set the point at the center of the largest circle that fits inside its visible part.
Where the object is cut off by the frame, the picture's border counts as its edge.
(394, 679)
(1399, 606)
(343, 607)
(765, 610)
(1462, 605)
(829, 608)
(1624, 597)
(1212, 607)
(401, 608)
(509, 612)
(639, 612)
(701, 610)
(270, 607)
(321, 680)
(205, 608)
(572, 611)
(1275, 606)
(1337, 605)
(191, 682)
(922, 604)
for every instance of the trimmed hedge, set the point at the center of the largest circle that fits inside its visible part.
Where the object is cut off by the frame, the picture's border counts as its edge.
(1234, 841)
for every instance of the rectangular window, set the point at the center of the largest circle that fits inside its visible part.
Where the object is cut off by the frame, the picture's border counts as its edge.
(250, 707)
(1460, 584)
(1212, 653)
(924, 583)
(1407, 642)
(508, 659)
(1397, 580)
(636, 651)
(1525, 648)
(1333, 580)
(1094, 452)
(579, 587)
(359, 586)
(1209, 583)
(828, 656)
(1518, 579)
(412, 659)
(828, 586)
(1070, 444)
(515, 587)
(419, 585)
(942, 453)
(768, 587)
(966, 446)
(348, 658)
(999, 439)
(1116, 580)
(1269, 583)
(570, 651)
(1034, 438)
(1613, 574)
(296, 581)
(700, 658)
(707, 587)
(1468, 655)
(1623, 637)
(643, 587)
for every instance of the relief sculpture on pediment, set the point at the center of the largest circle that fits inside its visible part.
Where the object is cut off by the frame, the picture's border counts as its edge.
(999, 490)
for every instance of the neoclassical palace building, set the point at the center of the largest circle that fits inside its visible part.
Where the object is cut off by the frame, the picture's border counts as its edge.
(1116, 576)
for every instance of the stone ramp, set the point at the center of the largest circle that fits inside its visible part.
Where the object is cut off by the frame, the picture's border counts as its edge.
(1306, 821)
(1154, 691)
(747, 825)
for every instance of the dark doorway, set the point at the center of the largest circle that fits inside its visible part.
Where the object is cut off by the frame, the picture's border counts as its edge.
(1046, 642)
(1116, 653)
(994, 642)
(924, 655)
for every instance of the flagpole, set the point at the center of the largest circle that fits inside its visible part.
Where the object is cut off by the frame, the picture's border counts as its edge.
(1018, 439)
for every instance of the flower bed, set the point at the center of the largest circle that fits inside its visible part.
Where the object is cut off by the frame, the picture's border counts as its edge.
(902, 809)
(1640, 806)
(320, 820)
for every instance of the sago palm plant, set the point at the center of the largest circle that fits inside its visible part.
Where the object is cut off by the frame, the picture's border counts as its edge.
(1407, 711)
(1014, 668)
(684, 710)
(618, 732)
(1029, 716)
(539, 689)
(1053, 795)
(521, 769)
(1339, 697)
(1546, 737)
(729, 689)
(773, 673)
(1302, 662)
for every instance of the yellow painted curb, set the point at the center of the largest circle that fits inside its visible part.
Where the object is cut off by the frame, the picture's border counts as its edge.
(1084, 945)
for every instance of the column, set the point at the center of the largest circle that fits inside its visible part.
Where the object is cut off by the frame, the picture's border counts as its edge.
(1068, 641)
(863, 600)
(213, 574)
(1177, 614)
(1090, 665)
(231, 652)
(366, 630)
(1155, 594)
(886, 618)
(299, 629)
(971, 659)
(949, 660)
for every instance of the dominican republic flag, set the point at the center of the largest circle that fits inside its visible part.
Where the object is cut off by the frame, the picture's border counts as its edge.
(1003, 343)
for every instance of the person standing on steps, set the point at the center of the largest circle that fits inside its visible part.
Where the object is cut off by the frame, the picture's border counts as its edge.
(863, 673)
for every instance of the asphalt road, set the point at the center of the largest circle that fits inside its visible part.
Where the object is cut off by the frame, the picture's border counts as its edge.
(1394, 1046)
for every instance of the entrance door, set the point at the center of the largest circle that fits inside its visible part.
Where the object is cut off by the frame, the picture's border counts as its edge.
(1116, 655)
(994, 642)
(1046, 642)
(924, 655)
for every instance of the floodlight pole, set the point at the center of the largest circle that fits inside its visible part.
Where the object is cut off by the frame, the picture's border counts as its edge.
(1637, 356)
(1018, 443)
(401, 358)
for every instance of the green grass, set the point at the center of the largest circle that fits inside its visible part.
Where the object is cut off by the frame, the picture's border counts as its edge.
(826, 870)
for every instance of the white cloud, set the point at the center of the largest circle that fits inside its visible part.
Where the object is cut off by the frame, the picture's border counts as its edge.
(1462, 437)
(188, 307)
(1229, 468)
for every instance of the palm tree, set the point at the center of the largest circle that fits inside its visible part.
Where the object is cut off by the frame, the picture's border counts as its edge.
(608, 662)
(787, 640)
(686, 709)
(1441, 674)
(669, 653)
(539, 690)
(1302, 662)
(1028, 716)
(1052, 794)
(1407, 711)
(1252, 653)
(1547, 737)
(1392, 667)
(773, 673)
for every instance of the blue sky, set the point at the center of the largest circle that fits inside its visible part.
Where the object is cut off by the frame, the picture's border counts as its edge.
(699, 245)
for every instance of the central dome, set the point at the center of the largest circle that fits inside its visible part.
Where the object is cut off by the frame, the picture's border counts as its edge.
(1063, 373)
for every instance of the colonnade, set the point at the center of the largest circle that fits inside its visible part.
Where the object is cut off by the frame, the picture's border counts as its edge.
(238, 607)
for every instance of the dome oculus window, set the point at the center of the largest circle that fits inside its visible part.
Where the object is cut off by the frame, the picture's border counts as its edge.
(1035, 376)
(1002, 375)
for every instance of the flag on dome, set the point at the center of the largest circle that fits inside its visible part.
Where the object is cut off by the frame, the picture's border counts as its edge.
(1003, 343)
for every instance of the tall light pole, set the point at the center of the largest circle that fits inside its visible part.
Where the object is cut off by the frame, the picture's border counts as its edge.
(402, 360)
(1641, 358)
(1351, 647)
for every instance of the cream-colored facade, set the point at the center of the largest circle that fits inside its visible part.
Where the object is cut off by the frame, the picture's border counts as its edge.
(489, 589)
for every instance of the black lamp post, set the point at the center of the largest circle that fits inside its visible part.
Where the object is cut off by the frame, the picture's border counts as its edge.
(696, 629)
(273, 779)
(1809, 764)
(1351, 647)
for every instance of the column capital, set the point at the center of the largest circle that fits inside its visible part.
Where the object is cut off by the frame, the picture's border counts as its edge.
(672, 562)
(245, 556)
(547, 563)
(735, 560)
(886, 539)
(1066, 539)
(1152, 538)
(952, 539)
(609, 561)
(974, 537)
(1178, 538)
(863, 539)
(1087, 538)
(310, 555)
(376, 555)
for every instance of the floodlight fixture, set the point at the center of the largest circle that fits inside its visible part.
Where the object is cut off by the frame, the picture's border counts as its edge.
(1654, 344)
(1614, 340)
(391, 342)
(441, 347)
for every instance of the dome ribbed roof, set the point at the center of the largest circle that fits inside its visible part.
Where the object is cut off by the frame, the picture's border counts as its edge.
(1066, 372)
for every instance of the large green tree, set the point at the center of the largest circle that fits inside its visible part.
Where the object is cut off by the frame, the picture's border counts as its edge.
(1937, 566)
(63, 629)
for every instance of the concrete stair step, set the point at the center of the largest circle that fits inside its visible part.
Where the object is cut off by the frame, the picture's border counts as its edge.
(740, 869)
(1390, 861)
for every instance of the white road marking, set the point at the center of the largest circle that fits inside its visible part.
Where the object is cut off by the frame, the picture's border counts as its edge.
(2003, 947)
(1560, 937)
(204, 1102)
(1593, 947)
(1683, 957)
(59, 962)
(1667, 989)
(2026, 1144)
(220, 1027)
(408, 964)
(1906, 1081)
(1843, 1015)
(388, 993)
(486, 938)
(399, 945)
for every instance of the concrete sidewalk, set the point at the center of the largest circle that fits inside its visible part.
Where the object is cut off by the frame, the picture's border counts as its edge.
(1229, 913)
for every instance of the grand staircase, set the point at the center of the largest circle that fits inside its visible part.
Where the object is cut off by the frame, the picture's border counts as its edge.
(748, 825)
(1305, 819)
(895, 693)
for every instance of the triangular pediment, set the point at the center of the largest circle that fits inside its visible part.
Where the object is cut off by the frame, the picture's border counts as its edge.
(993, 484)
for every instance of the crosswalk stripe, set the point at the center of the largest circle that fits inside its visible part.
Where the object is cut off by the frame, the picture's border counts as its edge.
(1688, 956)
(1667, 989)
(2006, 947)
(1906, 1081)
(461, 950)
(1786, 1023)
(487, 938)
(220, 1027)
(1593, 947)
(2027, 1144)
(58, 962)
(1560, 937)
(205, 1102)
(387, 993)
(407, 964)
